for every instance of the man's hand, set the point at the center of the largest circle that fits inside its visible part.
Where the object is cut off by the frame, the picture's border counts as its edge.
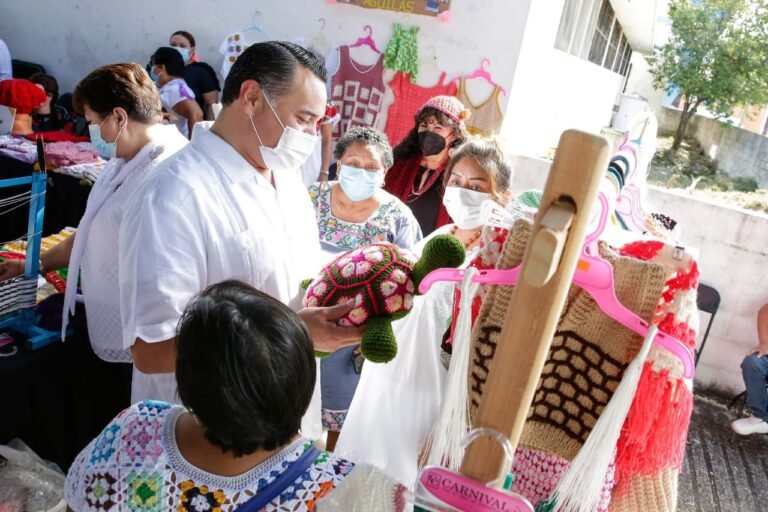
(760, 350)
(11, 268)
(326, 335)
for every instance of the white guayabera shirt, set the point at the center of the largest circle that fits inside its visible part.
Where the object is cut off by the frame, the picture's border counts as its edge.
(205, 216)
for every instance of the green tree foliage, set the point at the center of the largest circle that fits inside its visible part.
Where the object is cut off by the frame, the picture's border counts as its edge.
(717, 56)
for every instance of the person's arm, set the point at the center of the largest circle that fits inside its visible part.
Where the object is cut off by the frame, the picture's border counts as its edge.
(762, 332)
(53, 259)
(326, 335)
(407, 230)
(209, 98)
(157, 357)
(162, 266)
(326, 134)
(190, 110)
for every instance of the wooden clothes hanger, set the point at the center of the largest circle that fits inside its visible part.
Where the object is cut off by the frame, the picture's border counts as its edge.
(483, 73)
(366, 41)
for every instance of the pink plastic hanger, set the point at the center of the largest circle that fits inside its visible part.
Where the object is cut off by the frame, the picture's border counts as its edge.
(483, 73)
(595, 276)
(367, 40)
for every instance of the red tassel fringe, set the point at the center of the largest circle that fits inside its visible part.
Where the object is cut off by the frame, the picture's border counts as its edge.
(654, 435)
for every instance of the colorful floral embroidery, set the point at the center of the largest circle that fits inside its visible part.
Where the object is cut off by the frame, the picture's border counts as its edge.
(145, 491)
(333, 420)
(142, 439)
(104, 447)
(349, 235)
(100, 491)
(200, 498)
(143, 470)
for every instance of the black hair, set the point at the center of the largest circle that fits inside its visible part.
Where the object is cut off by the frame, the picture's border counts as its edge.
(186, 35)
(409, 146)
(272, 64)
(170, 58)
(245, 367)
(368, 137)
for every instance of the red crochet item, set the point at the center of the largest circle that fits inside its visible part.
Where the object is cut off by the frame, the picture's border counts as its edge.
(22, 95)
(399, 182)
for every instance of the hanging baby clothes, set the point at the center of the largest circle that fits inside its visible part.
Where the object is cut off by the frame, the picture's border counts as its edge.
(588, 356)
(408, 99)
(234, 45)
(486, 117)
(402, 52)
(357, 91)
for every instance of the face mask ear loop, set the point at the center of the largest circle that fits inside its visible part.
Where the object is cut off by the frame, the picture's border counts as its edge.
(255, 130)
(272, 109)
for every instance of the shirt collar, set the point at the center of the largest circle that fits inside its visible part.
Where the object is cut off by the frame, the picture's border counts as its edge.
(234, 166)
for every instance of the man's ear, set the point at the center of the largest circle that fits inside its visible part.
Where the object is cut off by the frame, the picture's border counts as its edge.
(250, 96)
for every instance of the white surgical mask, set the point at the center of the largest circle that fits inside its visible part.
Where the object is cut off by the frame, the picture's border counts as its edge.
(359, 184)
(465, 206)
(106, 149)
(183, 51)
(292, 150)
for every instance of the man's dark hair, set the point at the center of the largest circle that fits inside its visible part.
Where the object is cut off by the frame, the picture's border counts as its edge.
(170, 58)
(124, 85)
(272, 64)
(245, 367)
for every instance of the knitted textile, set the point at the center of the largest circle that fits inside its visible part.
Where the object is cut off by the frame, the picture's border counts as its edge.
(588, 356)
(380, 278)
(399, 182)
(448, 105)
(357, 91)
(402, 53)
(408, 100)
(22, 95)
(487, 116)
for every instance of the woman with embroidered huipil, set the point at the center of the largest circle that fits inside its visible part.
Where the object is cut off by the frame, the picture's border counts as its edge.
(421, 158)
(354, 212)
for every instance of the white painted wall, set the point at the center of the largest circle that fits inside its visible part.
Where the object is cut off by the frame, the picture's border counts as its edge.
(552, 90)
(733, 257)
(72, 38)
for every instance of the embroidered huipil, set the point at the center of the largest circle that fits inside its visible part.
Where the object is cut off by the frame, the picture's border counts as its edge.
(135, 464)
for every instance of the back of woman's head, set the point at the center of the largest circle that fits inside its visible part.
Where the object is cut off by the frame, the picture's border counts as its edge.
(245, 367)
(124, 85)
(488, 155)
(48, 82)
(170, 58)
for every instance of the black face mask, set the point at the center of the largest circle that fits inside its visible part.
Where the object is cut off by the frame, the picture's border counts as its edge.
(431, 143)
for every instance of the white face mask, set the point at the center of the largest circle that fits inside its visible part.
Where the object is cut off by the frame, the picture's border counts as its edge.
(465, 206)
(292, 150)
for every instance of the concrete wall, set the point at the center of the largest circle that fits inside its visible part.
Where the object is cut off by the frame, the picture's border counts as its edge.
(552, 90)
(737, 152)
(72, 38)
(733, 250)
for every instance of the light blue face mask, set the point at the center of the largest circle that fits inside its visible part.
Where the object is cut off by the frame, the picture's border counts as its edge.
(184, 53)
(153, 75)
(359, 184)
(106, 149)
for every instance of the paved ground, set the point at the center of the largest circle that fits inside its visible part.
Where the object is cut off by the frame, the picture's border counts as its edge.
(722, 471)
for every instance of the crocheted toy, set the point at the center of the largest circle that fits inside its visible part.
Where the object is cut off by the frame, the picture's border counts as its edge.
(383, 279)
